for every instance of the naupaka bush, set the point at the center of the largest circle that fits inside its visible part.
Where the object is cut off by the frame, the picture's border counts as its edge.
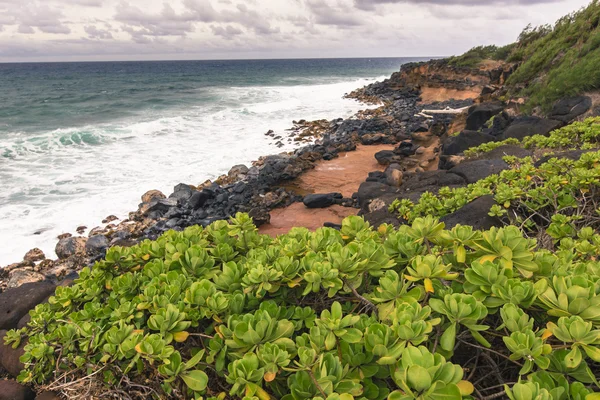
(418, 312)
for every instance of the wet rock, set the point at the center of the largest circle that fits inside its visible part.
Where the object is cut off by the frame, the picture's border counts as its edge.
(386, 157)
(525, 126)
(566, 110)
(34, 255)
(152, 195)
(96, 245)
(466, 139)
(479, 114)
(472, 171)
(321, 200)
(16, 302)
(476, 214)
(70, 246)
(9, 357)
(12, 390)
(21, 276)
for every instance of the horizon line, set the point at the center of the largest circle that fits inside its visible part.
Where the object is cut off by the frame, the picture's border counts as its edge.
(216, 59)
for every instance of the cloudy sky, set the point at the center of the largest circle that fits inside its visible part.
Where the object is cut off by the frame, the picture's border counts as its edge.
(54, 30)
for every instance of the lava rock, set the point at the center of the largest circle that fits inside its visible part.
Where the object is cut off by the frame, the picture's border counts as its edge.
(199, 199)
(406, 149)
(16, 302)
(181, 193)
(260, 216)
(34, 255)
(9, 357)
(322, 200)
(96, 245)
(525, 126)
(393, 175)
(12, 390)
(475, 214)
(158, 205)
(566, 110)
(479, 114)
(368, 191)
(21, 276)
(472, 171)
(386, 157)
(70, 246)
(372, 138)
(152, 195)
(465, 140)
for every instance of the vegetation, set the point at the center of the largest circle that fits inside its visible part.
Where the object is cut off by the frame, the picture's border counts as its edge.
(558, 61)
(578, 135)
(476, 55)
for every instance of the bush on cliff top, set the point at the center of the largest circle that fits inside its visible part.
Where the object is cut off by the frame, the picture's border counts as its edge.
(415, 313)
(476, 55)
(560, 61)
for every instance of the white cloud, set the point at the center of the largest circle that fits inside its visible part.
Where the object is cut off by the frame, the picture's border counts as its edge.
(192, 29)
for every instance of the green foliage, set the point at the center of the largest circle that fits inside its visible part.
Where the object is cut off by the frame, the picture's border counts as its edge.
(578, 135)
(557, 197)
(558, 61)
(476, 55)
(223, 312)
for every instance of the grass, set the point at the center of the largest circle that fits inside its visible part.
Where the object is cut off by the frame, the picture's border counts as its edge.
(476, 55)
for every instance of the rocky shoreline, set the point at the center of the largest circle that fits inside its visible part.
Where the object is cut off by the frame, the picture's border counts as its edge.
(425, 154)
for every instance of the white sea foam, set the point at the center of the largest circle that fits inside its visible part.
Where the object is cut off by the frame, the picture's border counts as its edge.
(66, 178)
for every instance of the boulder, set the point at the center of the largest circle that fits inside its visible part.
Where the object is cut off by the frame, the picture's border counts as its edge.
(96, 245)
(9, 357)
(525, 126)
(151, 195)
(237, 171)
(406, 149)
(386, 157)
(372, 190)
(479, 114)
(321, 200)
(476, 214)
(70, 246)
(506, 150)
(372, 138)
(472, 171)
(393, 176)
(566, 110)
(466, 139)
(181, 193)
(21, 276)
(199, 199)
(12, 390)
(16, 302)
(34, 255)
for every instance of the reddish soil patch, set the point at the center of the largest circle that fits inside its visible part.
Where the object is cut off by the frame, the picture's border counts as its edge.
(341, 175)
(282, 219)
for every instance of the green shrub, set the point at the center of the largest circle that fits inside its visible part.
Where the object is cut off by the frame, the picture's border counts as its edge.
(476, 55)
(224, 312)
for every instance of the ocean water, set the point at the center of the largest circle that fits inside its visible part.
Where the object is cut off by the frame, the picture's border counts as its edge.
(81, 141)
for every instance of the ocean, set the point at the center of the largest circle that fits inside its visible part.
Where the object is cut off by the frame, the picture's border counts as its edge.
(81, 141)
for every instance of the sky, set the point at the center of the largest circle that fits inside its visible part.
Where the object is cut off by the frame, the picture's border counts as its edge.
(98, 30)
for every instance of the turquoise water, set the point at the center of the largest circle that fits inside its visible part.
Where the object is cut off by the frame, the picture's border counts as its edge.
(80, 141)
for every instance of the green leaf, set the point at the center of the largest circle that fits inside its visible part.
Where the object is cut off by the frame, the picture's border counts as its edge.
(448, 338)
(195, 380)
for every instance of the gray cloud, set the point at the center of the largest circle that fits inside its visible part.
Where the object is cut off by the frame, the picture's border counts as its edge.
(339, 15)
(227, 32)
(371, 4)
(97, 33)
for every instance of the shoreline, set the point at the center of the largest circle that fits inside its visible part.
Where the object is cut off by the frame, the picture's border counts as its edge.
(257, 189)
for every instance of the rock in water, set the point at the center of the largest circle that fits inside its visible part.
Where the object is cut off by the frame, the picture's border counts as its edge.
(70, 246)
(322, 200)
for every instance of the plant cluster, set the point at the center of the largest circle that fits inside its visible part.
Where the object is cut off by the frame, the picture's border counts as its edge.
(558, 61)
(418, 312)
(557, 197)
(584, 135)
(476, 55)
